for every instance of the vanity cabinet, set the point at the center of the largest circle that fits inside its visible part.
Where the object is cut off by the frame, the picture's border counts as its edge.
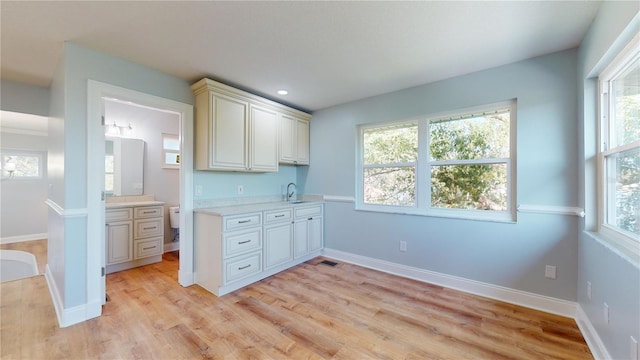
(134, 236)
(294, 140)
(119, 235)
(238, 131)
(238, 249)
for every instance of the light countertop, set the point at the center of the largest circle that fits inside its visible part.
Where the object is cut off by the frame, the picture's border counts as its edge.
(117, 205)
(249, 208)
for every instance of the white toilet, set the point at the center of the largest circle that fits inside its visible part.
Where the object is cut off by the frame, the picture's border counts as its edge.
(174, 219)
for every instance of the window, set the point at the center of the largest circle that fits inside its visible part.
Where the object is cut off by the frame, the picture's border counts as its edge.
(390, 159)
(170, 151)
(619, 155)
(17, 164)
(460, 164)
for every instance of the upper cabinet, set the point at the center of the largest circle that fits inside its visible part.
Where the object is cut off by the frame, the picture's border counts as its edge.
(239, 131)
(294, 140)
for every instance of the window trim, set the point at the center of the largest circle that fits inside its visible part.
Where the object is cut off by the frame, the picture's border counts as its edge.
(423, 192)
(166, 151)
(613, 70)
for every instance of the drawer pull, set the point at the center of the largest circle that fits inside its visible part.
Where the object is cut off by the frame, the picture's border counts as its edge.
(244, 221)
(148, 212)
(243, 242)
(153, 227)
(244, 267)
(147, 248)
(281, 215)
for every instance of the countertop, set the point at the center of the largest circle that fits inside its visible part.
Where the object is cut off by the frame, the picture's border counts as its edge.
(249, 208)
(117, 205)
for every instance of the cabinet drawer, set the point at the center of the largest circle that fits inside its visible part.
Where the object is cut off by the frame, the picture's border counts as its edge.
(148, 212)
(239, 242)
(118, 214)
(308, 211)
(147, 247)
(275, 216)
(242, 221)
(147, 228)
(236, 269)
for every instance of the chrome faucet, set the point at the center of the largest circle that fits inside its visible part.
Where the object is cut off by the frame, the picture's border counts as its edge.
(291, 195)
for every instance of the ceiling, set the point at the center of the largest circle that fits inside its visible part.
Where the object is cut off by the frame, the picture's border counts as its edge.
(324, 53)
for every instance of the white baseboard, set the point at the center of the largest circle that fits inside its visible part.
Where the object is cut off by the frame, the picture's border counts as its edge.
(598, 350)
(21, 238)
(74, 315)
(172, 246)
(512, 296)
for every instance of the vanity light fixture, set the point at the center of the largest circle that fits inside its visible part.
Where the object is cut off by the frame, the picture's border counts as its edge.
(119, 130)
(282, 92)
(9, 167)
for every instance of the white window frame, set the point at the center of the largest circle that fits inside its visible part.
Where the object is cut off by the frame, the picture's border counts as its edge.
(362, 167)
(14, 153)
(423, 174)
(625, 58)
(166, 151)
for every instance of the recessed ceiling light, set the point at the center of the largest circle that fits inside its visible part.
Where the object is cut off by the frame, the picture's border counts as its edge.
(282, 92)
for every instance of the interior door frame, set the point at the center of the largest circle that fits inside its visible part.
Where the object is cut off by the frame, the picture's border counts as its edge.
(97, 92)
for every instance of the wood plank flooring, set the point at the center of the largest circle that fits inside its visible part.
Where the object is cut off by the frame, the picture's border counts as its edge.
(311, 311)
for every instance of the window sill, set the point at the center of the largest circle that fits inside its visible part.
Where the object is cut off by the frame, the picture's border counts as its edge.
(502, 217)
(628, 253)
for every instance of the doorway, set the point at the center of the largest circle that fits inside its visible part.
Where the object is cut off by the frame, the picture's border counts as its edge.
(98, 94)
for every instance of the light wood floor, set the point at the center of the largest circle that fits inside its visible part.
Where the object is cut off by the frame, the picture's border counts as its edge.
(311, 311)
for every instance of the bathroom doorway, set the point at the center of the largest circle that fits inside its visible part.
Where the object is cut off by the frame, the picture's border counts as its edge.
(101, 99)
(153, 174)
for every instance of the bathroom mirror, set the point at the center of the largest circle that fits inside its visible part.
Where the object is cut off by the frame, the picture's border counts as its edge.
(124, 166)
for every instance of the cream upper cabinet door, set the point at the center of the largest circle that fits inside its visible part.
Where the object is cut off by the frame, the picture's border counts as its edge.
(302, 143)
(288, 139)
(294, 140)
(263, 139)
(228, 132)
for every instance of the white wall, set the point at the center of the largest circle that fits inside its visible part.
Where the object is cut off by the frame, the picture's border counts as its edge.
(614, 277)
(23, 212)
(149, 125)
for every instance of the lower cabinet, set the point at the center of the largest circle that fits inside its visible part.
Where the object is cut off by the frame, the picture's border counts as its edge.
(278, 246)
(134, 237)
(308, 228)
(236, 250)
(118, 239)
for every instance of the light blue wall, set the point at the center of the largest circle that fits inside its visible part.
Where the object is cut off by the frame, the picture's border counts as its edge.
(510, 255)
(68, 237)
(224, 185)
(614, 278)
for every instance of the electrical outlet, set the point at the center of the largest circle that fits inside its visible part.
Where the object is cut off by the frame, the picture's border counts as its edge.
(633, 348)
(550, 272)
(605, 310)
(403, 246)
(240, 189)
(198, 190)
(589, 290)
